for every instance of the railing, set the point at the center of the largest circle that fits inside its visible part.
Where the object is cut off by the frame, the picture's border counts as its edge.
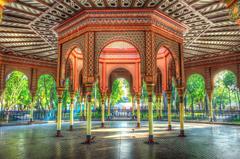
(51, 115)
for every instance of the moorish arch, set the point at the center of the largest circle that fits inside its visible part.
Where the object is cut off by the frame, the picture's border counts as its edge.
(72, 68)
(120, 73)
(117, 55)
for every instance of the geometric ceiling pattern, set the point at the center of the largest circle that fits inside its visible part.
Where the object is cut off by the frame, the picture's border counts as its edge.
(27, 25)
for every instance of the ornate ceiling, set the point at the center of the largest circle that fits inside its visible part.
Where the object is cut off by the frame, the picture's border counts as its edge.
(27, 26)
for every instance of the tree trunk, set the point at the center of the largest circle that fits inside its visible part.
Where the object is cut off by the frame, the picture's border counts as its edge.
(192, 108)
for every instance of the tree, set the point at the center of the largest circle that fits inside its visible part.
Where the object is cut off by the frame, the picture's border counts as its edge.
(46, 93)
(195, 90)
(16, 94)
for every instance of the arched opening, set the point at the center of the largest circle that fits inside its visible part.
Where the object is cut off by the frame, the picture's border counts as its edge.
(226, 97)
(119, 59)
(46, 96)
(73, 68)
(16, 95)
(121, 99)
(196, 105)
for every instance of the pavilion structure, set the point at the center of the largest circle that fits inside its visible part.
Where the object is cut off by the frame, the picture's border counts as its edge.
(98, 41)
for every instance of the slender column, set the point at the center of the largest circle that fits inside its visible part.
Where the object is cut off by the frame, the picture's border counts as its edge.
(71, 111)
(80, 100)
(59, 112)
(89, 122)
(150, 113)
(169, 94)
(160, 106)
(181, 108)
(133, 109)
(103, 111)
(210, 94)
(138, 112)
(109, 107)
(85, 108)
(31, 108)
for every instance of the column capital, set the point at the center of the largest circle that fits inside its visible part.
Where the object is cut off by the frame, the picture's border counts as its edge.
(60, 91)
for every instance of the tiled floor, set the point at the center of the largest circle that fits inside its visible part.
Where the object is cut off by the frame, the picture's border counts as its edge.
(120, 139)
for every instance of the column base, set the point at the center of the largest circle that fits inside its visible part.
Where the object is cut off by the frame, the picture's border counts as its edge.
(59, 134)
(181, 134)
(138, 125)
(89, 139)
(102, 125)
(169, 127)
(71, 128)
(30, 121)
(211, 120)
(150, 140)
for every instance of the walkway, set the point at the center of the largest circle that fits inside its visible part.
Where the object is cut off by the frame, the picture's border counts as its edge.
(120, 141)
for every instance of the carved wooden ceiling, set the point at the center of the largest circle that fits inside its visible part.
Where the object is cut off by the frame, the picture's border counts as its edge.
(27, 26)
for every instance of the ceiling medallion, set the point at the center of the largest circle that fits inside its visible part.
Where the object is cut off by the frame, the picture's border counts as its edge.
(2, 4)
(234, 6)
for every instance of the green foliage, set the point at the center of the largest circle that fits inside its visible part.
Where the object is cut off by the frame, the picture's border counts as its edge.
(225, 90)
(46, 96)
(118, 88)
(16, 92)
(196, 90)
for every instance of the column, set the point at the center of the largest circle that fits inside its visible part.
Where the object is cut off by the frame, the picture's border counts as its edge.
(71, 111)
(133, 108)
(169, 94)
(59, 112)
(103, 111)
(150, 113)
(160, 106)
(31, 108)
(85, 108)
(181, 109)
(80, 104)
(210, 94)
(109, 107)
(138, 112)
(89, 122)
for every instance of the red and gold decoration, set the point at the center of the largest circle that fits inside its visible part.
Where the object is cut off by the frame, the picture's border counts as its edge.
(2, 4)
(234, 6)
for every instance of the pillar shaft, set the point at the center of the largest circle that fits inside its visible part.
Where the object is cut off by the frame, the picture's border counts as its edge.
(109, 107)
(85, 108)
(59, 114)
(210, 106)
(31, 109)
(138, 112)
(150, 115)
(169, 94)
(89, 122)
(160, 106)
(103, 111)
(133, 105)
(71, 111)
(150, 88)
